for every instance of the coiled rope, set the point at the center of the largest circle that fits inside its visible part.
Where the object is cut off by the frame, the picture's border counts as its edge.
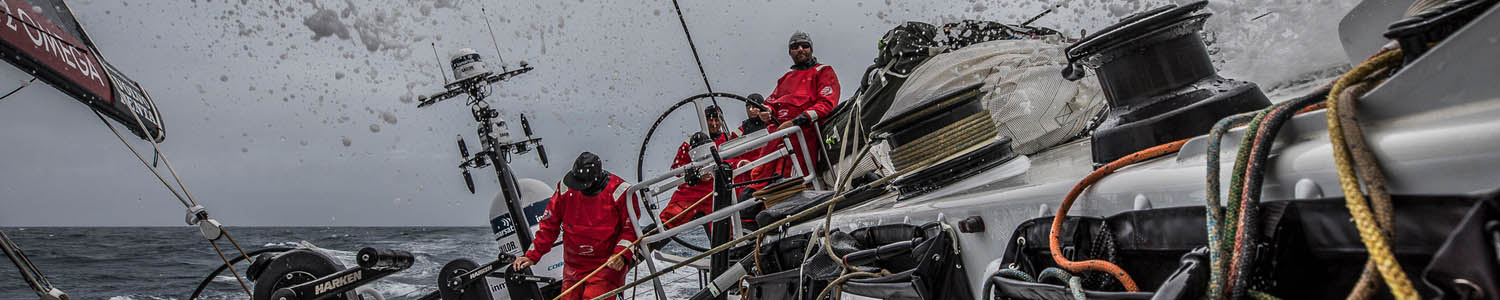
(1074, 283)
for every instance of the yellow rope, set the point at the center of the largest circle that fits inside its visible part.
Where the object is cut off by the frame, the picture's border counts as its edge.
(1368, 169)
(1376, 243)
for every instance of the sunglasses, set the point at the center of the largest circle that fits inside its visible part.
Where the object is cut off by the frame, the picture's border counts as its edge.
(799, 45)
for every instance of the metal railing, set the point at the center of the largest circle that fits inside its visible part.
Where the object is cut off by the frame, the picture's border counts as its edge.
(659, 184)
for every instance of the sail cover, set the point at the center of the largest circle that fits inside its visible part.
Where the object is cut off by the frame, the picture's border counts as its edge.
(43, 38)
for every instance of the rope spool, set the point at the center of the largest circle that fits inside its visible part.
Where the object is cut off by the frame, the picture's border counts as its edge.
(943, 140)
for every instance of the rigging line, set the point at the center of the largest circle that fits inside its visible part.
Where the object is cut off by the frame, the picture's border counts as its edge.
(143, 160)
(159, 154)
(236, 244)
(164, 160)
(18, 89)
(164, 182)
(694, 47)
(186, 201)
(231, 268)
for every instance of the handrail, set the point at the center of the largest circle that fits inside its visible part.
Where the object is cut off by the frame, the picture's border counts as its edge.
(731, 152)
(646, 187)
(807, 163)
(661, 188)
(718, 214)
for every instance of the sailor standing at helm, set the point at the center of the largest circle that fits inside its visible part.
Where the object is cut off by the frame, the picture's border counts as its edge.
(804, 95)
(589, 209)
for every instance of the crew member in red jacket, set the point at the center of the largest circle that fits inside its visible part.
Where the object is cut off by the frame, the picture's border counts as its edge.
(804, 96)
(589, 210)
(687, 194)
(752, 124)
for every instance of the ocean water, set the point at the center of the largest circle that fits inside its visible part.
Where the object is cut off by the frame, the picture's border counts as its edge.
(141, 263)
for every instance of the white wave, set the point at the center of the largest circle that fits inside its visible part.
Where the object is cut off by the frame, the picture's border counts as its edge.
(142, 297)
(391, 289)
(282, 245)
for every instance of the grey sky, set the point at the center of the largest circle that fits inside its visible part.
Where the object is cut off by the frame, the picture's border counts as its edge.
(258, 105)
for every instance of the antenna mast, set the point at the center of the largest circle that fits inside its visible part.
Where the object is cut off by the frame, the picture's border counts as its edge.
(440, 63)
(486, 15)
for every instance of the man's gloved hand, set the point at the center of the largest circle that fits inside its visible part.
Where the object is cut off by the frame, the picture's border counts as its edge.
(691, 177)
(802, 120)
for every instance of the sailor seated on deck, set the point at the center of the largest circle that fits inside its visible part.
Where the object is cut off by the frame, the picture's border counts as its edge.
(695, 188)
(589, 210)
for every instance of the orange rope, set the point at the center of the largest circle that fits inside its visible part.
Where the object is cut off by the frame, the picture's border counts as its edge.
(1062, 210)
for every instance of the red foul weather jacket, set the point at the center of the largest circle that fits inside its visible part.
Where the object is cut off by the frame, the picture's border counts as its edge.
(593, 228)
(812, 92)
(686, 195)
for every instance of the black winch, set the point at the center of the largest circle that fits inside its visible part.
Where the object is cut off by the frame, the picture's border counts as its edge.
(310, 274)
(1158, 81)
